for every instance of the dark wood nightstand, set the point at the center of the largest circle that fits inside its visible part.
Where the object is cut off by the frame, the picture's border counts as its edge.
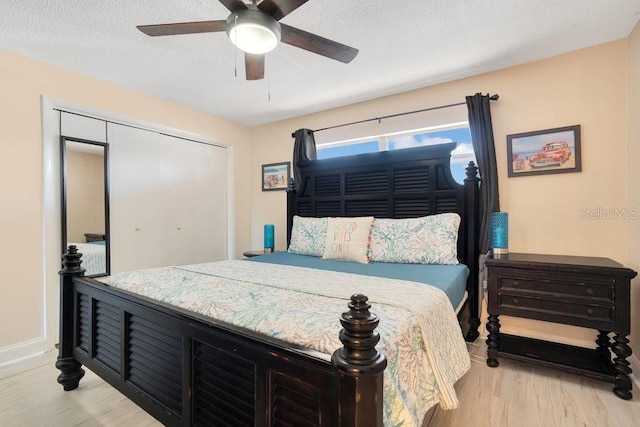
(94, 237)
(256, 252)
(571, 290)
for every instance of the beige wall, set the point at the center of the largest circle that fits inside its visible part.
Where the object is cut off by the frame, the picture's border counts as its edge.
(22, 83)
(633, 187)
(85, 195)
(586, 87)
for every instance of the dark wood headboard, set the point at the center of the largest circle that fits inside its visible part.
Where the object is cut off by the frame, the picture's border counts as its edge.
(406, 183)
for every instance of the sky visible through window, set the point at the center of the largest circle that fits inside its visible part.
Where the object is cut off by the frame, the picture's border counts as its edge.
(460, 156)
(348, 150)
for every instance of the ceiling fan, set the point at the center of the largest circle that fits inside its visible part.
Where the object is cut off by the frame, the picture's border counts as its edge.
(254, 28)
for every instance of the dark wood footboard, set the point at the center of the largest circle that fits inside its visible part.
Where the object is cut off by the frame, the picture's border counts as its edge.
(186, 369)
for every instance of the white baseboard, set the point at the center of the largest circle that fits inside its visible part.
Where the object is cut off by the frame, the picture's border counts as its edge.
(18, 352)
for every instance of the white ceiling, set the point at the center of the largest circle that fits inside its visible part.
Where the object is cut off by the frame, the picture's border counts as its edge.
(404, 44)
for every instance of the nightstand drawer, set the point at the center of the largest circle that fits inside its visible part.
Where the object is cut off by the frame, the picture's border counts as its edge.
(596, 291)
(548, 309)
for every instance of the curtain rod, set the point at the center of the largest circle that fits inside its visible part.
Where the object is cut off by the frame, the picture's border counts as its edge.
(379, 119)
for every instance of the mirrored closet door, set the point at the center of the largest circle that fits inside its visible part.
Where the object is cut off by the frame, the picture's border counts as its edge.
(85, 202)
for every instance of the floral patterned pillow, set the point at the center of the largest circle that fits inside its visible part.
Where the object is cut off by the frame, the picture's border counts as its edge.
(426, 240)
(348, 239)
(308, 236)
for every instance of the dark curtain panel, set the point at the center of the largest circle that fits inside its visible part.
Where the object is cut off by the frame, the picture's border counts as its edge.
(483, 145)
(304, 149)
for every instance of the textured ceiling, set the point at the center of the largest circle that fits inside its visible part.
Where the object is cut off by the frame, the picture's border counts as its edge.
(403, 45)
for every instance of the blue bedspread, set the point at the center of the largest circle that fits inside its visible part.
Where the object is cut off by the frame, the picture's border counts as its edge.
(452, 279)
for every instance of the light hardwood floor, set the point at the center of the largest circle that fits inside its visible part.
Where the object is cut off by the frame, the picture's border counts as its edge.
(32, 397)
(514, 394)
(522, 395)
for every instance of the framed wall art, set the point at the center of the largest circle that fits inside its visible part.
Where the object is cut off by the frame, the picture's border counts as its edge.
(275, 176)
(544, 152)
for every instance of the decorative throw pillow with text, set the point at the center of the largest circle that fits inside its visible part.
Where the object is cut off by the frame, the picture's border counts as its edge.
(348, 239)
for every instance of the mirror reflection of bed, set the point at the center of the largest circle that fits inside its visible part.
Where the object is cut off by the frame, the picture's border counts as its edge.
(94, 257)
(85, 210)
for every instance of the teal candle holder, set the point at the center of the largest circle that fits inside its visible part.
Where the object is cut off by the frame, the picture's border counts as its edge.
(499, 233)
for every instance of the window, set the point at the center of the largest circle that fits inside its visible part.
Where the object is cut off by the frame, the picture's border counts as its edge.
(458, 132)
(354, 147)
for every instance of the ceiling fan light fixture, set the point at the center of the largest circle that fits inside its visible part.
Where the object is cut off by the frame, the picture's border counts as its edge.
(253, 31)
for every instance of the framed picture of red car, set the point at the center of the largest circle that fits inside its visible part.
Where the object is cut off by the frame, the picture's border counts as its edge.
(544, 152)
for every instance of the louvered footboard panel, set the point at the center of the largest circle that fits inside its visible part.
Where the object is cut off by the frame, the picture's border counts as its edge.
(224, 389)
(187, 372)
(83, 322)
(107, 339)
(155, 362)
(294, 403)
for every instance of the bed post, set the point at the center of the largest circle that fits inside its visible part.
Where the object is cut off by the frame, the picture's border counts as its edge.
(472, 247)
(71, 370)
(361, 367)
(291, 197)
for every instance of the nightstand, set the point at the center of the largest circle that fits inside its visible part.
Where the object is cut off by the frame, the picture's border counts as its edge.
(581, 291)
(256, 252)
(94, 237)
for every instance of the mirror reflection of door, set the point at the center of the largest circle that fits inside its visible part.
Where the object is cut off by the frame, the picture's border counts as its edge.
(85, 202)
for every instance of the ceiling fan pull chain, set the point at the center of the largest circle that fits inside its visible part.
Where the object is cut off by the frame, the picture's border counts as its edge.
(235, 53)
(235, 64)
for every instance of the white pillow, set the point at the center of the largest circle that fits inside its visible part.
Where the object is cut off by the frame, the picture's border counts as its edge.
(348, 239)
(308, 236)
(426, 240)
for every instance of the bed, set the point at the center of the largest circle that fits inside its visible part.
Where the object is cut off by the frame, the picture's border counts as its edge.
(186, 368)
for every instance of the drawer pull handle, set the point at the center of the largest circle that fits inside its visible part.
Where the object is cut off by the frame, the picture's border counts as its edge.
(589, 291)
(590, 311)
(516, 283)
(516, 301)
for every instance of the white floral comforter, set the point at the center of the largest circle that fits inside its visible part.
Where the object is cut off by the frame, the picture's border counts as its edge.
(420, 335)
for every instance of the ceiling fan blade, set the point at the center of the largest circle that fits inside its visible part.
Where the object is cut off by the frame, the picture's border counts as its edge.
(233, 5)
(278, 9)
(316, 44)
(183, 28)
(254, 65)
